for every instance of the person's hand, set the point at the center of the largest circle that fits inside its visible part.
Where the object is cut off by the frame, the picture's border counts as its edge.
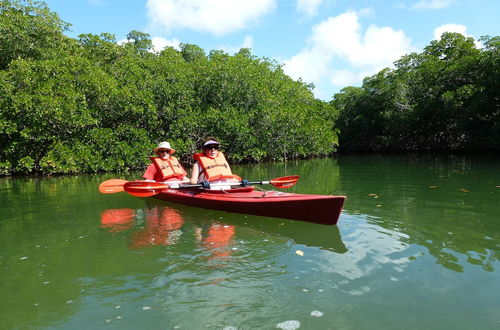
(245, 183)
(205, 185)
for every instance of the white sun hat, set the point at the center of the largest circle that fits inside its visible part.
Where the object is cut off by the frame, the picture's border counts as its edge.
(164, 145)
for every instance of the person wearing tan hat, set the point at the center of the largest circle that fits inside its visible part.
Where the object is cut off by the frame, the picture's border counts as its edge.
(165, 167)
(211, 166)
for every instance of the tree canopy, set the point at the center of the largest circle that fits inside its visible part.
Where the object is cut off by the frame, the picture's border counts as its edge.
(444, 98)
(91, 104)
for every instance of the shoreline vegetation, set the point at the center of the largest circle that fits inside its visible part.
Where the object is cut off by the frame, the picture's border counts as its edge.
(90, 105)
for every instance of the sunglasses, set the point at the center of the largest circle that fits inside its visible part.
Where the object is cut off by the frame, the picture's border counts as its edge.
(212, 146)
(163, 150)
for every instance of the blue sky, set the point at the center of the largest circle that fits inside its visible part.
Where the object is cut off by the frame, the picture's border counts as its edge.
(331, 43)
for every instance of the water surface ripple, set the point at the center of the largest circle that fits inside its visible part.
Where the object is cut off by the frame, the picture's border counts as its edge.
(417, 246)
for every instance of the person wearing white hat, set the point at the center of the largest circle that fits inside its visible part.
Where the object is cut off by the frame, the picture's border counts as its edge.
(211, 166)
(164, 166)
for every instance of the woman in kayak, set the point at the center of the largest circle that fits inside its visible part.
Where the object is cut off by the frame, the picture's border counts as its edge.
(165, 167)
(211, 166)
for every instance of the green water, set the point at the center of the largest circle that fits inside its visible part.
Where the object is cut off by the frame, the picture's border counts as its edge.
(417, 247)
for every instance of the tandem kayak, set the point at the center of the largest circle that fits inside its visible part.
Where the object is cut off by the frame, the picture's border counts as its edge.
(322, 209)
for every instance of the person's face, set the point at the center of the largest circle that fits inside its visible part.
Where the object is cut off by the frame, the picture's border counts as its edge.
(211, 150)
(164, 153)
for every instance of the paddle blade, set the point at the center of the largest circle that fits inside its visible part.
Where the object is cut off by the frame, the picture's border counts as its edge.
(112, 186)
(285, 181)
(143, 188)
(142, 193)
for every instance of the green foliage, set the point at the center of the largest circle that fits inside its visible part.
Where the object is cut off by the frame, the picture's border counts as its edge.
(92, 105)
(192, 52)
(140, 41)
(445, 98)
(102, 149)
(28, 29)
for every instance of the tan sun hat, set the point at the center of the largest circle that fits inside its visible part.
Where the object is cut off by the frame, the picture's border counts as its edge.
(164, 145)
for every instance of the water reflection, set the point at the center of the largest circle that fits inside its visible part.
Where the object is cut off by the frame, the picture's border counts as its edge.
(160, 225)
(449, 205)
(428, 240)
(163, 225)
(217, 240)
(298, 232)
(117, 220)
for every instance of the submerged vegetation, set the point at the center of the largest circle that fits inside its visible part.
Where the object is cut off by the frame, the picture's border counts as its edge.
(93, 105)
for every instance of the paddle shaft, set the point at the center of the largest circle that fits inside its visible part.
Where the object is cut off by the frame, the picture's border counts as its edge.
(148, 189)
(218, 184)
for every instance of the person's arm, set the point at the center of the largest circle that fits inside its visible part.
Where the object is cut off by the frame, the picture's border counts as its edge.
(194, 174)
(150, 173)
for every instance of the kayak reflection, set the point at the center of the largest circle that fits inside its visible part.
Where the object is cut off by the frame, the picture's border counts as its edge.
(311, 235)
(116, 220)
(217, 240)
(163, 227)
(299, 232)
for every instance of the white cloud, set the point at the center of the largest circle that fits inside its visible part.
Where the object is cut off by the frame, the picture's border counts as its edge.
(212, 16)
(309, 7)
(457, 28)
(341, 36)
(450, 28)
(309, 65)
(432, 4)
(159, 43)
(340, 40)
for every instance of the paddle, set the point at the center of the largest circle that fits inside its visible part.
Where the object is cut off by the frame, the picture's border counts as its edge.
(117, 185)
(283, 182)
(144, 189)
(112, 186)
(147, 189)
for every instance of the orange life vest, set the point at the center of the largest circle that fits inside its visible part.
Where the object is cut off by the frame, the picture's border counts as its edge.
(215, 168)
(218, 240)
(169, 168)
(161, 223)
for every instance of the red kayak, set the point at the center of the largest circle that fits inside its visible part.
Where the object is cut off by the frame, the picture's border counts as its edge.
(323, 209)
